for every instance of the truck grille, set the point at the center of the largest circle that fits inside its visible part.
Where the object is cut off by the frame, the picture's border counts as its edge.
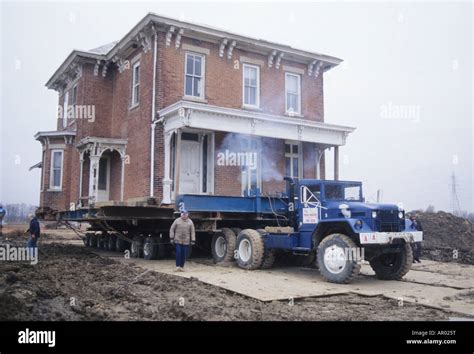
(388, 221)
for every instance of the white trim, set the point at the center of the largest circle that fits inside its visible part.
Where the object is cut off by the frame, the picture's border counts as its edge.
(298, 76)
(210, 117)
(254, 61)
(202, 77)
(195, 49)
(51, 174)
(257, 98)
(294, 70)
(134, 104)
(65, 107)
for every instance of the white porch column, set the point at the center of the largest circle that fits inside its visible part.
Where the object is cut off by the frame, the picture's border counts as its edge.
(81, 166)
(336, 163)
(167, 168)
(122, 176)
(93, 177)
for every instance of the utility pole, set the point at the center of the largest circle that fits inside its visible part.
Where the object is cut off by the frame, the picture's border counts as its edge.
(455, 205)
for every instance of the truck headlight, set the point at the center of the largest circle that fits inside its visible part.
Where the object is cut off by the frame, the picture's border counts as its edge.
(358, 224)
(374, 214)
(400, 214)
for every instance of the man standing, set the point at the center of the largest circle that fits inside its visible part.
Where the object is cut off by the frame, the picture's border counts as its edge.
(182, 234)
(416, 246)
(2, 215)
(34, 231)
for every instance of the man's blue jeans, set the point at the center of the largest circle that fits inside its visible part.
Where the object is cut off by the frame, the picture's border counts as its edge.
(181, 252)
(31, 244)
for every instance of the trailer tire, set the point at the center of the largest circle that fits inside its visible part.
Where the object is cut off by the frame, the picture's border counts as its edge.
(105, 242)
(223, 245)
(121, 245)
(136, 248)
(153, 248)
(87, 240)
(332, 267)
(112, 244)
(236, 231)
(393, 266)
(250, 249)
(93, 241)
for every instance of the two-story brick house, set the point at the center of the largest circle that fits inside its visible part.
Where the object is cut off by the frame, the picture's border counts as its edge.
(169, 109)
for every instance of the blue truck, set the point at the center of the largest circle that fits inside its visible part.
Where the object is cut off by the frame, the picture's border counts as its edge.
(321, 222)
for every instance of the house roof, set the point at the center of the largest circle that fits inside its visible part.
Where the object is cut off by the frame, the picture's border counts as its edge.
(110, 51)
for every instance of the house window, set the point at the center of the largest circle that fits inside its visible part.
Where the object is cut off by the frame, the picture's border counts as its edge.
(293, 160)
(293, 93)
(194, 75)
(56, 169)
(135, 84)
(251, 85)
(251, 171)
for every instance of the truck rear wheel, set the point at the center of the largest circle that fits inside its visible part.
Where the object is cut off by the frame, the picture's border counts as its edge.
(333, 263)
(136, 248)
(393, 266)
(250, 249)
(223, 245)
(93, 241)
(87, 240)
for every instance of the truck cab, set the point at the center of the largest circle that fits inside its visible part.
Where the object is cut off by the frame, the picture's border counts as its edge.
(333, 223)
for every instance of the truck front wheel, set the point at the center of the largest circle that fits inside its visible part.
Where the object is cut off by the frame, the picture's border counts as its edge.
(223, 246)
(393, 266)
(334, 259)
(250, 249)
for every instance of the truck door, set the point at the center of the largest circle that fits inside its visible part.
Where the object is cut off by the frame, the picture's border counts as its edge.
(310, 212)
(310, 204)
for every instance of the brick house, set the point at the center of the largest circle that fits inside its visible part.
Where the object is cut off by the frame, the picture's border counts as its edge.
(174, 108)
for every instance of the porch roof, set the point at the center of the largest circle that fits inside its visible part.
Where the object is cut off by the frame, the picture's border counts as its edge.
(203, 116)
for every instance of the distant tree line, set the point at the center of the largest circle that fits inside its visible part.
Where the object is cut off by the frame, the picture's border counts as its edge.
(18, 213)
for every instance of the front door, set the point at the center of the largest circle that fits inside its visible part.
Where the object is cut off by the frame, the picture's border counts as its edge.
(190, 164)
(103, 188)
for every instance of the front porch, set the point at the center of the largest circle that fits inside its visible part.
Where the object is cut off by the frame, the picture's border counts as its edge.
(223, 151)
(101, 170)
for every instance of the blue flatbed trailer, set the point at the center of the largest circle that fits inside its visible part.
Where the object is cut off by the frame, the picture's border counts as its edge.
(323, 222)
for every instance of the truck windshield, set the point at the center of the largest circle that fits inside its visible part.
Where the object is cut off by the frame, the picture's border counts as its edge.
(343, 192)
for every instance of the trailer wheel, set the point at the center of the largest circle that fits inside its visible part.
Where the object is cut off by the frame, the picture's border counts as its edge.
(105, 242)
(112, 244)
(250, 249)
(393, 266)
(121, 245)
(136, 248)
(332, 261)
(87, 240)
(153, 249)
(223, 245)
(93, 241)
(236, 231)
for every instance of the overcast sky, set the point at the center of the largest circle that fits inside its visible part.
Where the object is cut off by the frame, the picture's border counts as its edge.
(405, 84)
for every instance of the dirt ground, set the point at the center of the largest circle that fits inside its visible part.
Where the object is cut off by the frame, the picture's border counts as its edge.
(72, 283)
